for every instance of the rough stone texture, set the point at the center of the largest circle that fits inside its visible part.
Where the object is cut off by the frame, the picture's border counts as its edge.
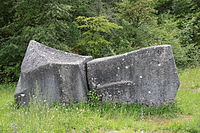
(147, 76)
(52, 75)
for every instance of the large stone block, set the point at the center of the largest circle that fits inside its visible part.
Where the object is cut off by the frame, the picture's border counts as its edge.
(52, 75)
(146, 76)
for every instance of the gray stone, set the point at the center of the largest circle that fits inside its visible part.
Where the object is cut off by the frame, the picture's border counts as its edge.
(147, 76)
(52, 75)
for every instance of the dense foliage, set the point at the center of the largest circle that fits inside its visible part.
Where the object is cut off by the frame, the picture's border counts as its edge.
(98, 28)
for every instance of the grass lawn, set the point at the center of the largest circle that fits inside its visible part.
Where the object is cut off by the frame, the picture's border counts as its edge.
(182, 116)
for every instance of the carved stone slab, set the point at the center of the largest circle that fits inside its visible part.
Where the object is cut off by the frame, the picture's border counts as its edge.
(147, 76)
(52, 75)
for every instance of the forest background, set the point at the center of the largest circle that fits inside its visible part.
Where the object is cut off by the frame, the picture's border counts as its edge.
(98, 28)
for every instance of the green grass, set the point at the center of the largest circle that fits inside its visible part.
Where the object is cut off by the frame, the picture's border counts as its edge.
(182, 116)
(190, 78)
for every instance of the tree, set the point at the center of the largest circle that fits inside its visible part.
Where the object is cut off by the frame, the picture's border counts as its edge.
(41, 20)
(95, 40)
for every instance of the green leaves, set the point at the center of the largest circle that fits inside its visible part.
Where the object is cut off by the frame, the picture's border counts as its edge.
(97, 24)
(96, 31)
(138, 12)
(103, 28)
(45, 21)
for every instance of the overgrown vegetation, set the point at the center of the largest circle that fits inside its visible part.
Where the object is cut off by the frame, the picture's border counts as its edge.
(183, 116)
(98, 28)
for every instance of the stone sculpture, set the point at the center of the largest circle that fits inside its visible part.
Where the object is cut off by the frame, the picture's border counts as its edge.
(52, 75)
(147, 76)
